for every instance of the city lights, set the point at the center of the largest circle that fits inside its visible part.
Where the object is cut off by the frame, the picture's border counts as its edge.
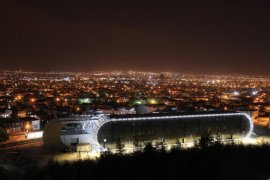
(134, 90)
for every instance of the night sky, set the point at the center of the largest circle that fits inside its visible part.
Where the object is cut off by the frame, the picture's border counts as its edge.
(213, 37)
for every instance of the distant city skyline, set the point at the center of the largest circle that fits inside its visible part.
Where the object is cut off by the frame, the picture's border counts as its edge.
(184, 36)
(134, 71)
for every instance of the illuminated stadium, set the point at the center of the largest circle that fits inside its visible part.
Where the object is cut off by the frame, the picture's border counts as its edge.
(101, 131)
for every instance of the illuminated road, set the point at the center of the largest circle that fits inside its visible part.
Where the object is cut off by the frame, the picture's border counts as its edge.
(27, 154)
(18, 143)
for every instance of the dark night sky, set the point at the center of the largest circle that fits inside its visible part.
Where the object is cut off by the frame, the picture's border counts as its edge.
(183, 36)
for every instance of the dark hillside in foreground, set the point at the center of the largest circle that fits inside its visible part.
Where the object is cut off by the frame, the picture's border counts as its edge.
(224, 162)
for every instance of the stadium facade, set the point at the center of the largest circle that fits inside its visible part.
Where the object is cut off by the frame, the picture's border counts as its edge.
(101, 131)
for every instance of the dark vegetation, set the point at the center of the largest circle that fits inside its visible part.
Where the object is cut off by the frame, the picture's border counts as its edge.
(3, 135)
(209, 159)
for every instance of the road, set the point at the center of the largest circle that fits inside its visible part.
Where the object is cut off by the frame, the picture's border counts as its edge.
(18, 143)
(25, 155)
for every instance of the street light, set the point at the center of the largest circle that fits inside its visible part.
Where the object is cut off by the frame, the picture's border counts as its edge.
(27, 127)
(104, 142)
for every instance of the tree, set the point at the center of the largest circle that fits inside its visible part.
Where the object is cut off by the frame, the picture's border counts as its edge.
(160, 145)
(3, 135)
(230, 139)
(206, 140)
(119, 146)
(107, 152)
(136, 144)
(218, 140)
(79, 156)
(148, 148)
(177, 145)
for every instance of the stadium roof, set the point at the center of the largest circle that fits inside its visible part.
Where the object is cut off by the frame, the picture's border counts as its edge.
(171, 114)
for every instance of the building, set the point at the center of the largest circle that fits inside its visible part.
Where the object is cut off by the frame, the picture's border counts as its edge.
(102, 132)
(5, 113)
(17, 129)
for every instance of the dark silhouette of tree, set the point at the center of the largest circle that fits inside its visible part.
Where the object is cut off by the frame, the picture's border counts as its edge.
(163, 145)
(177, 145)
(79, 156)
(3, 135)
(136, 144)
(218, 141)
(160, 145)
(119, 146)
(230, 140)
(223, 163)
(205, 141)
(149, 148)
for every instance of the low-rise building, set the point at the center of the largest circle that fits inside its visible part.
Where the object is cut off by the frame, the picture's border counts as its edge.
(5, 113)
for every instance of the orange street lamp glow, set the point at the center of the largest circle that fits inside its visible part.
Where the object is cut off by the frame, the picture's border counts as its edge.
(19, 97)
(27, 126)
